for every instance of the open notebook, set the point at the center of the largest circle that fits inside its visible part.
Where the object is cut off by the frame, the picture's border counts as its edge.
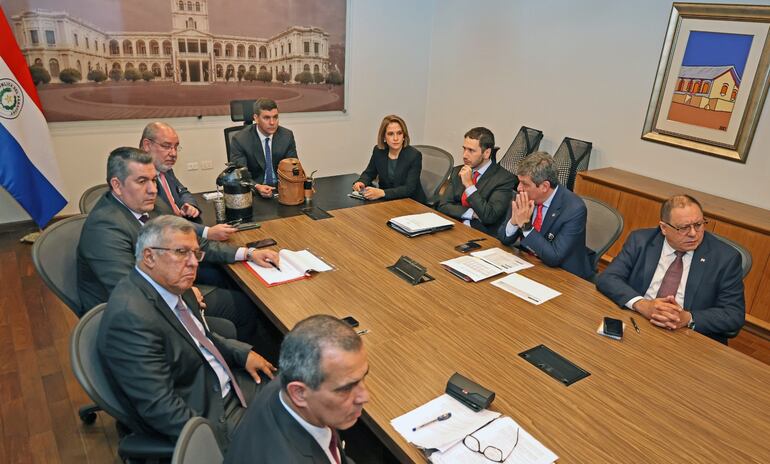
(295, 265)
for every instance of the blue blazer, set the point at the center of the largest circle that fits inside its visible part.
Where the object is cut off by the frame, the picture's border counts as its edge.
(714, 289)
(561, 241)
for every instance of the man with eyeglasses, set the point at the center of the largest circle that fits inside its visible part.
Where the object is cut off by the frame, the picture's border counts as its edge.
(678, 275)
(106, 247)
(162, 142)
(160, 357)
(321, 389)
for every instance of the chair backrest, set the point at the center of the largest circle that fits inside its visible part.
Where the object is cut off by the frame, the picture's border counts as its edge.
(603, 227)
(436, 166)
(54, 255)
(571, 157)
(745, 254)
(242, 111)
(91, 196)
(197, 444)
(229, 134)
(526, 142)
(88, 367)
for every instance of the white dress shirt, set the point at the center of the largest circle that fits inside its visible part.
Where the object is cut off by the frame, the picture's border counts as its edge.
(510, 229)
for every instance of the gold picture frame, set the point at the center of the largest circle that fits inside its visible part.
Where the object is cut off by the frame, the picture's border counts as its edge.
(692, 105)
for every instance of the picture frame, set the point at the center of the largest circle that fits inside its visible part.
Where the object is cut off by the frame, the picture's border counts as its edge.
(712, 79)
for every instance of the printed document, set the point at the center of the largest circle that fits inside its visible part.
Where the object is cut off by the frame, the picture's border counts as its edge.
(420, 222)
(507, 262)
(526, 289)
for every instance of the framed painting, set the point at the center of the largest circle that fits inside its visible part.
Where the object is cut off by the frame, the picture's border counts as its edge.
(712, 79)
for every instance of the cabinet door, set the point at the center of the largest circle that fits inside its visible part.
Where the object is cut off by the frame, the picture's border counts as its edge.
(638, 213)
(609, 195)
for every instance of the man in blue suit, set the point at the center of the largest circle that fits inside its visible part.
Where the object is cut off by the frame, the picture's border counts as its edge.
(678, 275)
(547, 219)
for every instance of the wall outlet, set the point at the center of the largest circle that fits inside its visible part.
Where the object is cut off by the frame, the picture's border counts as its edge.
(192, 166)
(207, 164)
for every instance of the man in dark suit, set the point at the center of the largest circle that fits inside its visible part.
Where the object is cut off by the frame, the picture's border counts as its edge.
(323, 365)
(547, 219)
(262, 145)
(162, 142)
(678, 275)
(479, 190)
(162, 361)
(106, 247)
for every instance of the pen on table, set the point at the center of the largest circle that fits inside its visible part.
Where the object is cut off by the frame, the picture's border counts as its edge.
(636, 327)
(362, 332)
(440, 418)
(274, 265)
(476, 240)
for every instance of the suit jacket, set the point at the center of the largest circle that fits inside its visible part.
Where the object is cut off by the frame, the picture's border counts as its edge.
(181, 196)
(246, 150)
(493, 195)
(406, 182)
(154, 366)
(561, 241)
(714, 289)
(106, 250)
(268, 433)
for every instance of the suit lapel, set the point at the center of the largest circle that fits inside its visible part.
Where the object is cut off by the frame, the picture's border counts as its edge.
(260, 151)
(651, 258)
(488, 177)
(554, 209)
(698, 267)
(300, 439)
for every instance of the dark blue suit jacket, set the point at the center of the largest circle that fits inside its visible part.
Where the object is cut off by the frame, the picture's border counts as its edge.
(246, 150)
(561, 241)
(714, 289)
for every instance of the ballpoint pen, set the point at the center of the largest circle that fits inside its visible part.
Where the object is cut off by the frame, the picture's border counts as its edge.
(636, 327)
(477, 240)
(440, 418)
(362, 332)
(274, 265)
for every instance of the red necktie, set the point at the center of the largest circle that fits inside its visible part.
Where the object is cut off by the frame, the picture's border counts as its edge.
(333, 448)
(673, 276)
(185, 315)
(464, 199)
(538, 224)
(167, 190)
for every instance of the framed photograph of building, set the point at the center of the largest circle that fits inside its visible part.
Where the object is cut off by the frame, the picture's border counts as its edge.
(136, 59)
(712, 79)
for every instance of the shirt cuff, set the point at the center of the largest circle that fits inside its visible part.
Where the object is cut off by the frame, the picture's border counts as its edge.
(468, 214)
(205, 233)
(510, 229)
(240, 254)
(630, 304)
(470, 190)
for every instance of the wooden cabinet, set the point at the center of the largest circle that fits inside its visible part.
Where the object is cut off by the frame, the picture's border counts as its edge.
(638, 198)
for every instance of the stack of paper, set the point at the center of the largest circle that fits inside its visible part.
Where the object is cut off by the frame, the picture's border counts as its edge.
(483, 264)
(418, 224)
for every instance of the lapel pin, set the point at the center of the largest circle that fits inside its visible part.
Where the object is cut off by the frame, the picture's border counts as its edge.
(550, 236)
(703, 260)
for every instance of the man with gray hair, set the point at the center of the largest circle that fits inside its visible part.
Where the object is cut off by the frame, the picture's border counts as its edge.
(163, 362)
(323, 366)
(546, 219)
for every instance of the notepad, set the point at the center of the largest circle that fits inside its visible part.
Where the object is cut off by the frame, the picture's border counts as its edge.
(295, 265)
(421, 222)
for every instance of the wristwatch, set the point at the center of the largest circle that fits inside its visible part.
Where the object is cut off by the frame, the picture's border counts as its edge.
(526, 227)
(691, 324)
(249, 252)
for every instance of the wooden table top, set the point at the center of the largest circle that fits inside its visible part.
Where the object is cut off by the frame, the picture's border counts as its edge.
(657, 396)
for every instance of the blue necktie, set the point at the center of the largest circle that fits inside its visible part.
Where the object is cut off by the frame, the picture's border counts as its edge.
(269, 174)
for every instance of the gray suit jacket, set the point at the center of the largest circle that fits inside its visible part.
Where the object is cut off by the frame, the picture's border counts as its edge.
(158, 373)
(246, 150)
(714, 289)
(106, 250)
(269, 434)
(492, 197)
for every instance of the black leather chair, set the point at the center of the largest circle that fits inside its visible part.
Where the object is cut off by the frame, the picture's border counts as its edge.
(746, 263)
(436, 166)
(90, 373)
(229, 134)
(91, 196)
(240, 111)
(571, 157)
(526, 142)
(197, 444)
(603, 227)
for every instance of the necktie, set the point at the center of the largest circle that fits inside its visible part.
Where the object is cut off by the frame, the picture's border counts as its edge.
(538, 224)
(672, 277)
(167, 191)
(144, 218)
(269, 174)
(464, 199)
(187, 320)
(333, 447)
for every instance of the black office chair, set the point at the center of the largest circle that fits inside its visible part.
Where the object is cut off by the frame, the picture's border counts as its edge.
(197, 444)
(436, 166)
(240, 111)
(90, 373)
(91, 196)
(229, 134)
(54, 255)
(603, 227)
(526, 142)
(746, 263)
(571, 157)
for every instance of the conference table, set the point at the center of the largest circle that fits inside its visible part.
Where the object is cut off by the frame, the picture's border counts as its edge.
(655, 396)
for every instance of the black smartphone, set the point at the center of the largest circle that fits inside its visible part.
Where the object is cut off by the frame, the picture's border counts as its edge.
(350, 320)
(613, 327)
(265, 242)
(467, 246)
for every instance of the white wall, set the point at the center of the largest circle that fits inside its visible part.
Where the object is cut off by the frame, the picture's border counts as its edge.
(571, 68)
(388, 46)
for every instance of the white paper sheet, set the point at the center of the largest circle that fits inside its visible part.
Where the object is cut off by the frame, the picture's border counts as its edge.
(419, 222)
(508, 262)
(526, 289)
(472, 267)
